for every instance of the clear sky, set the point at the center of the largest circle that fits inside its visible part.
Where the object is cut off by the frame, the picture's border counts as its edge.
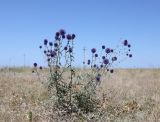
(25, 23)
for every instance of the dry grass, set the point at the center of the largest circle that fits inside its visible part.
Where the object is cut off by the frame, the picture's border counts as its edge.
(129, 95)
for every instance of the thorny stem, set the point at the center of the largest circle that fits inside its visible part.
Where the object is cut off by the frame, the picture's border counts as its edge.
(38, 75)
(70, 85)
(71, 79)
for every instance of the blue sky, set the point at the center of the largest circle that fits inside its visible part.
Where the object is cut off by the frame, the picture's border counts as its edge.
(25, 23)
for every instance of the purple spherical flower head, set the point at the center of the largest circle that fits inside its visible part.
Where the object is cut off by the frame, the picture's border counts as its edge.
(89, 61)
(111, 50)
(114, 58)
(73, 36)
(55, 45)
(48, 55)
(55, 50)
(53, 54)
(65, 48)
(57, 38)
(111, 71)
(45, 41)
(129, 45)
(101, 65)
(125, 42)
(40, 46)
(45, 51)
(93, 50)
(105, 61)
(40, 67)
(50, 43)
(94, 65)
(103, 47)
(96, 55)
(108, 50)
(103, 57)
(69, 37)
(62, 32)
(130, 55)
(57, 34)
(98, 78)
(63, 36)
(70, 50)
(35, 64)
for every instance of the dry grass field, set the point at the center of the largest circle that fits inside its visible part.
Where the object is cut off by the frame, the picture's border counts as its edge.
(130, 95)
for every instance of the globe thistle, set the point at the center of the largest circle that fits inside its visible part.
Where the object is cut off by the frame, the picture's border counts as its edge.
(53, 54)
(50, 43)
(108, 50)
(125, 43)
(56, 38)
(98, 78)
(73, 36)
(69, 37)
(62, 32)
(40, 67)
(65, 48)
(96, 55)
(57, 34)
(129, 45)
(111, 71)
(45, 51)
(130, 55)
(48, 59)
(35, 64)
(93, 50)
(63, 36)
(114, 58)
(70, 50)
(105, 61)
(103, 46)
(55, 49)
(89, 61)
(40, 47)
(45, 41)
(101, 65)
(103, 57)
(111, 50)
(94, 65)
(48, 55)
(55, 45)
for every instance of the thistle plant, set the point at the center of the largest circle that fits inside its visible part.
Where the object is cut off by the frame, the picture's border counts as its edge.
(60, 58)
(102, 63)
(59, 55)
(99, 65)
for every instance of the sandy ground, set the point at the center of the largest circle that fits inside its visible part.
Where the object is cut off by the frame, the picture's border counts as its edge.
(136, 92)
